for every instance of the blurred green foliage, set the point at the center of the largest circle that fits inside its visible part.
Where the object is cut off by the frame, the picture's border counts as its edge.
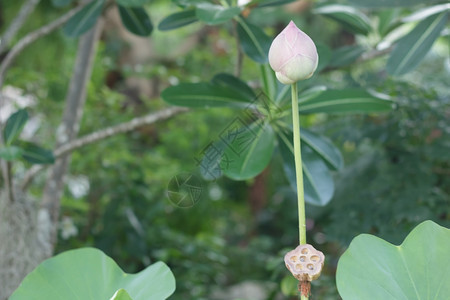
(396, 164)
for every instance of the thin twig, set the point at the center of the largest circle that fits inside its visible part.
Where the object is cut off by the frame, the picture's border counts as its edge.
(105, 133)
(8, 35)
(32, 37)
(17, 23)
(374, 54)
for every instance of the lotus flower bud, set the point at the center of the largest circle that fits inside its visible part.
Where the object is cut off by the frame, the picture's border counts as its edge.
(293, 55)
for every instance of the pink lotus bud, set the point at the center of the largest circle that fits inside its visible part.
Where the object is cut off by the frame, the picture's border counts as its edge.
(293, 55)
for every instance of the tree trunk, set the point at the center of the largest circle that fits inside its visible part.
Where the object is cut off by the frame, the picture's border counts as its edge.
(28, 229)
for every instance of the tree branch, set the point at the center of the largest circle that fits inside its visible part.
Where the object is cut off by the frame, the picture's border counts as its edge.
(70, 124)
(32, 37)
(374, 54)
(104, 134)
(18, 21)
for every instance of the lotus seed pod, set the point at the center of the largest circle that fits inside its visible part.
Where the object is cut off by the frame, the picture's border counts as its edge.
(305, 262)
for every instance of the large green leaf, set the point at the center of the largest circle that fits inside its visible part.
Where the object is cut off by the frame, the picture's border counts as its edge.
(413, 47)
(136, 20)
(317, 181)
(248, 149)
(254, 42)
(211, 159)
(61, 3)
(204, 94)
(14, 126)
(324, 148)
(390, 3)
(121, 295)
(11, 153)
(270, 82)
(350, 17)
(88, 274)
(388, 19)
(132, 3)
(345, 55)
(426, 12)
(213, 14)
(36, 155)
(419, 268)
(231, 82)
(267, 3)
(178, 20)
(346, 101)
(85, 19)
(325, 55)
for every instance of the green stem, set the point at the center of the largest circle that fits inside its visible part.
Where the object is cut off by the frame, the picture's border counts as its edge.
(298, 170)
(298, 166)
